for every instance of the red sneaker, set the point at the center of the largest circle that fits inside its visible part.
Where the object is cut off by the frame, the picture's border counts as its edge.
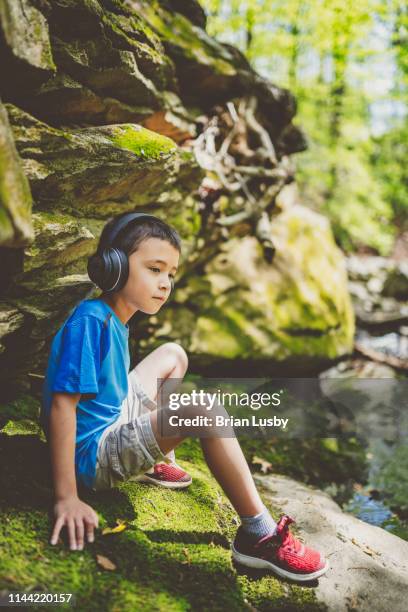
(166, 475)
(280, 553)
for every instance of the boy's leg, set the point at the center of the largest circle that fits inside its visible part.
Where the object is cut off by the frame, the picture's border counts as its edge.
(227, 463)
(167, 361)
(259, 543)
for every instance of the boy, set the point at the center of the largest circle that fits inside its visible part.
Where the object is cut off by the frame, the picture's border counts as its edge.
(88, 390)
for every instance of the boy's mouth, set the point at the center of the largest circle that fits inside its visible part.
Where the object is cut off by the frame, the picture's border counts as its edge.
(159, 298)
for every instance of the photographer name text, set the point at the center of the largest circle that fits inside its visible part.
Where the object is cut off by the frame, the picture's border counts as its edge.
(221, 421)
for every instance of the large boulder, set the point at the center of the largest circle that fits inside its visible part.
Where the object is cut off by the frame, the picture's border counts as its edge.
(244, 308)
(368, 566)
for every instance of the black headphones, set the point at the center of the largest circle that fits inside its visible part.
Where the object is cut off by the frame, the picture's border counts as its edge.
(109, 267)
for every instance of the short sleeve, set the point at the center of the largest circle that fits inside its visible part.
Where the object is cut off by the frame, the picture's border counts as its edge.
(80, 357)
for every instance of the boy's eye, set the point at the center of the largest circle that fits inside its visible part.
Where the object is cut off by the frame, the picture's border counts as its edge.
(154, 269)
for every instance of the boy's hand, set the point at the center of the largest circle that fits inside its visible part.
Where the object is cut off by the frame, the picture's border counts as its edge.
(78, 518)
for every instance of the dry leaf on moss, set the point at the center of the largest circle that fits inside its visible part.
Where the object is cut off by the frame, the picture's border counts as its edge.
(187, 555)
(105, 562)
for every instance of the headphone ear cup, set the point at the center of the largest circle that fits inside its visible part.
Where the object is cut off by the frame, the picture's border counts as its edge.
(109, 270)
(96, 270)
(121, 269)
(116, 269)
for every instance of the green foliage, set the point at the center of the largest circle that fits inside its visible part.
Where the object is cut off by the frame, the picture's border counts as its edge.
(389, 158)
(346, 63)
(393, 479)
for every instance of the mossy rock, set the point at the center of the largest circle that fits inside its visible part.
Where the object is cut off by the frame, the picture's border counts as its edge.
(11, 320)
(207, 71)
(100, 171)
(16, 228)
(59, 239)
(24, 47)
(108, 71)
(251, 310)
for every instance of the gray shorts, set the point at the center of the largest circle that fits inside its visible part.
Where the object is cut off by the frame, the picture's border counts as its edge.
(128, 446)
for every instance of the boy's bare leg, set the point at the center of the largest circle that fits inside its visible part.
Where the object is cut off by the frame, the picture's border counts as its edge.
(227, 463)
(167, 361)
(223, 455)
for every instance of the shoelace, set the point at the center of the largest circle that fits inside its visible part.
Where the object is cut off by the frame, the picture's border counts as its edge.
(287, 540)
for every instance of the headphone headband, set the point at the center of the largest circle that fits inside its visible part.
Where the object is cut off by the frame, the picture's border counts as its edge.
(117, 227)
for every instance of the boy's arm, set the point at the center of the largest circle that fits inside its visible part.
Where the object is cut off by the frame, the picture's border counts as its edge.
(62, 443)
(69, 510)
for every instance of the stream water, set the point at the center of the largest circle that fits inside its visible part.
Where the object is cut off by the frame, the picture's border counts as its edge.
(373, 502)
(383, 500)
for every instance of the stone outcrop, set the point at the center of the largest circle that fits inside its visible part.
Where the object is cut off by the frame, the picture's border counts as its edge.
(368, 566)
(244, 308)
(15, 197)
(112, 106)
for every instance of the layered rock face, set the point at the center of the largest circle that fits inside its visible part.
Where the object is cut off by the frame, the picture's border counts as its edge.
(111, 106)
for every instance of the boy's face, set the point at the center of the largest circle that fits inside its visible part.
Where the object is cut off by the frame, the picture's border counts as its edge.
(151, 269)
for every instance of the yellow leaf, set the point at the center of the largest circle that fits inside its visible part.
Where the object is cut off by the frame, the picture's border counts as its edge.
(116, 529)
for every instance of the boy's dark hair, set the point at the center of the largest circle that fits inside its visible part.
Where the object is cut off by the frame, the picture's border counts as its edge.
(133, 234)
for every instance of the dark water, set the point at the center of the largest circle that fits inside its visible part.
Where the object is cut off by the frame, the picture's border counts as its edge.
(383, 500)
(367, 509)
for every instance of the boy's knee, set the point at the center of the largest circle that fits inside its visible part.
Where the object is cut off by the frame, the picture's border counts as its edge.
(178, 353)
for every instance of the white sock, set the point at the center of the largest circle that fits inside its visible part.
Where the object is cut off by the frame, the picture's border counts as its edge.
(171, 456)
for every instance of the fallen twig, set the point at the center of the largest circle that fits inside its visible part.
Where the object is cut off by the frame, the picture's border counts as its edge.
(393, 362)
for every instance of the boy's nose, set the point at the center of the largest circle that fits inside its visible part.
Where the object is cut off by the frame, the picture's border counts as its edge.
(165, 284)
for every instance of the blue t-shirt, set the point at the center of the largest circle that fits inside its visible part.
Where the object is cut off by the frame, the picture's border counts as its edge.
(89, 355)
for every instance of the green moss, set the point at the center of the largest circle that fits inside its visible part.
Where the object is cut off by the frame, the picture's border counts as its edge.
(25, 407)
(178, 31)
(316, 461)
(21, 427)
(173, 555)
(142, 142)
(220, 334)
